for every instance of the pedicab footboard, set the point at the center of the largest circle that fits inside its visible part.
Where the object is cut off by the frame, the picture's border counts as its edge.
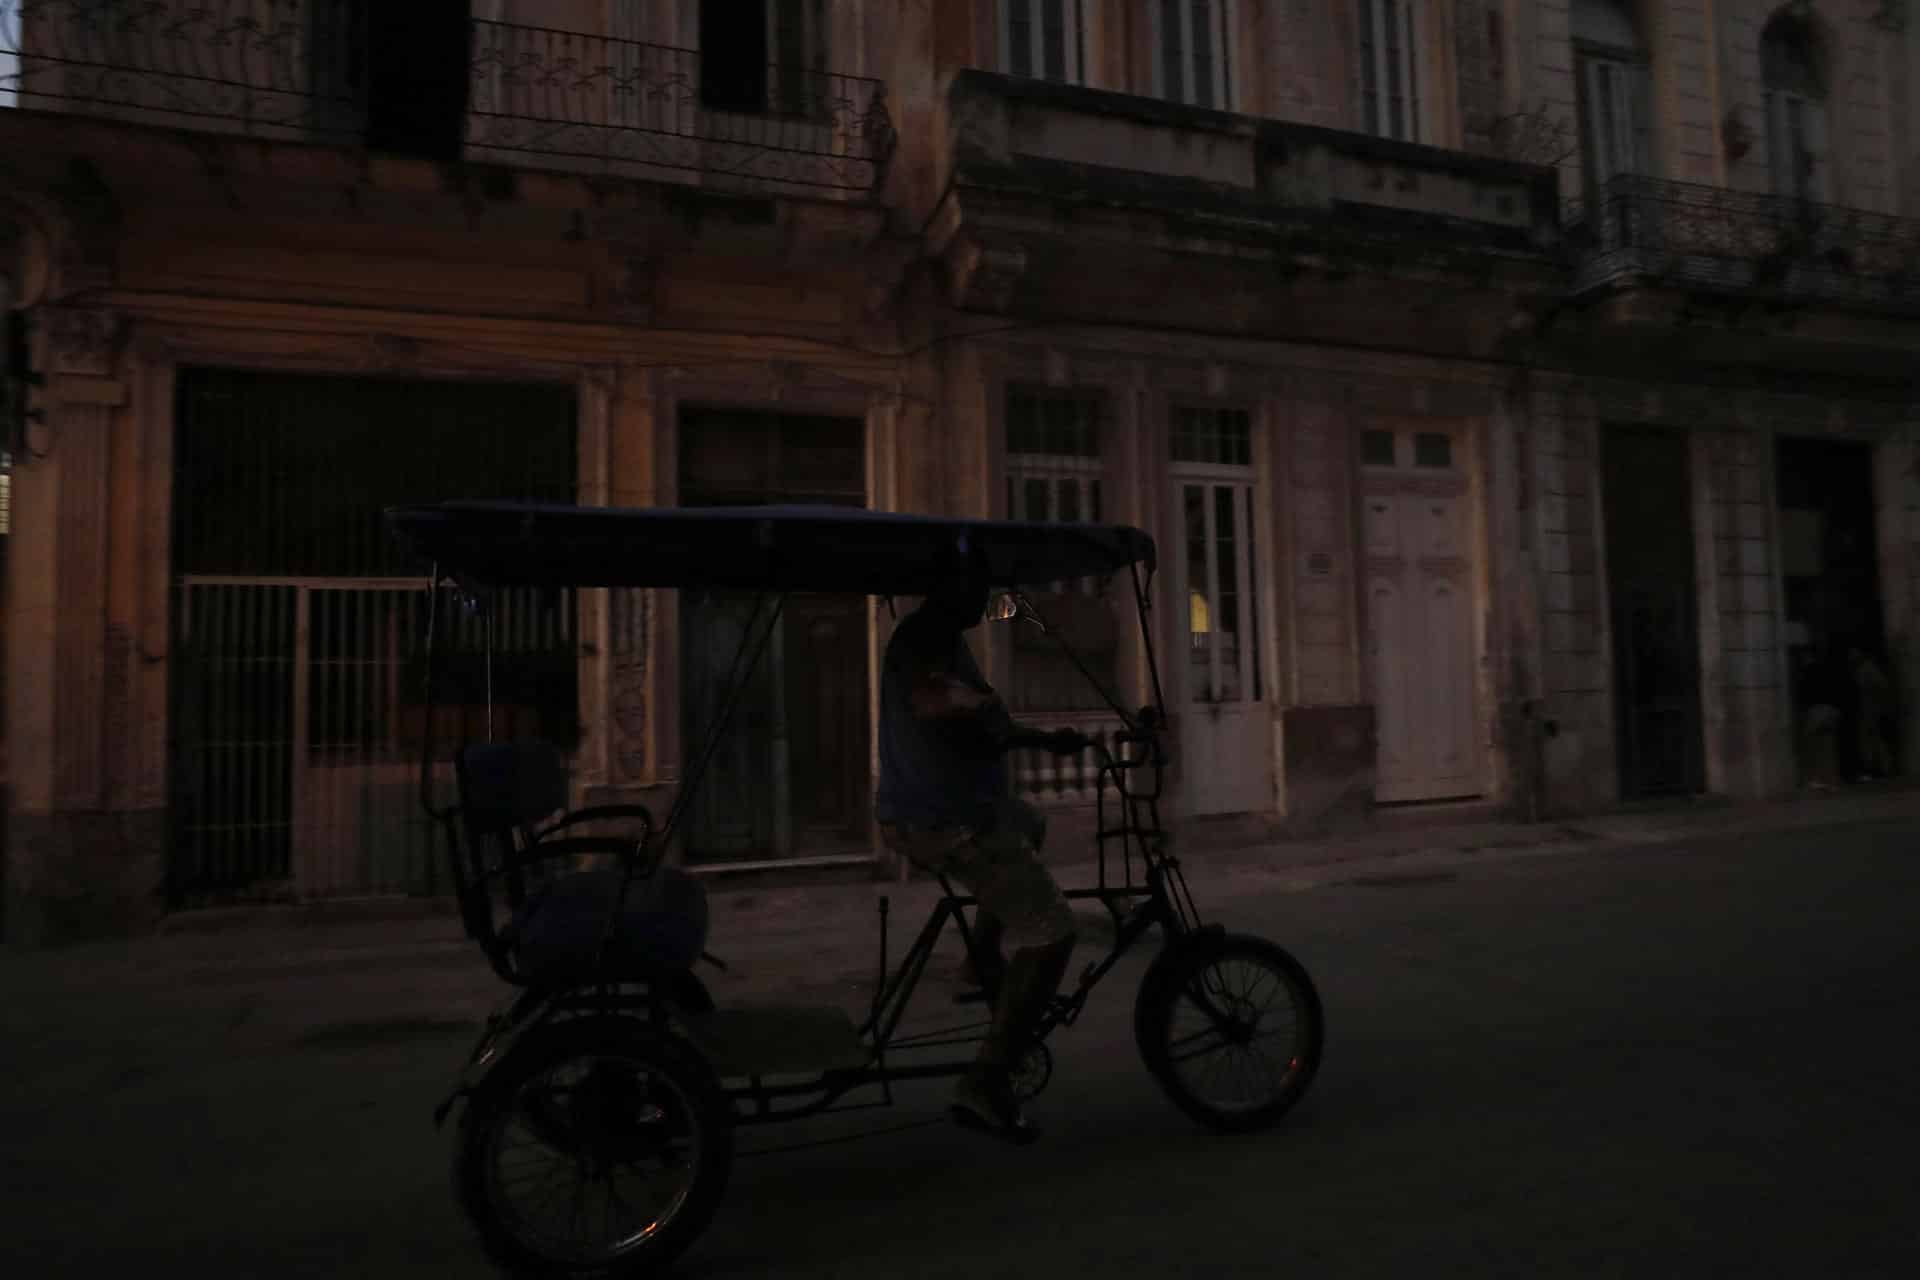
(745, 1041)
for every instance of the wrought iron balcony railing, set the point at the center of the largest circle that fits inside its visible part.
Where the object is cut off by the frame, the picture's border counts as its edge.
(1740, 242)
(537, 97)
(274, 67)
(621, 106)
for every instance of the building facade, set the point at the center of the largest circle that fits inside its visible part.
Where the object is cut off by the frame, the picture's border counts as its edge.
(1520, 393)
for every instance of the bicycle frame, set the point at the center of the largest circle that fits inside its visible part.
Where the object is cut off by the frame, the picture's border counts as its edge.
(1166, 902)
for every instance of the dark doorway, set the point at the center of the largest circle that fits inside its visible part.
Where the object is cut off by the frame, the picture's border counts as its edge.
(1829, 562)
(792, 775)
(296, 713)
(1651, 594)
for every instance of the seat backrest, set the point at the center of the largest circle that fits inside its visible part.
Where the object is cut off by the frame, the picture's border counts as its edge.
(504, 789)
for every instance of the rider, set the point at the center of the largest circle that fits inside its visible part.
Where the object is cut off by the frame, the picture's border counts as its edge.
(946, 803)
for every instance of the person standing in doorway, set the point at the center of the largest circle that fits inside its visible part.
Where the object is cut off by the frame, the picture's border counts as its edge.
(1874, 702)
(1820, 721)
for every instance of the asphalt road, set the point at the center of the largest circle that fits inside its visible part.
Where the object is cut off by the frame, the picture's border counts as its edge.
(1666, 1061)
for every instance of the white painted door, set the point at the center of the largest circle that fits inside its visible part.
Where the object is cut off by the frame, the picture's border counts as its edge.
(1224, 737)
(1421, 651)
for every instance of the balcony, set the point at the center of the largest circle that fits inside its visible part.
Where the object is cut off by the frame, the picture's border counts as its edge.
(274, 68)
(1119, 206)
(564, 100)
(324, 71)
(1706, 240)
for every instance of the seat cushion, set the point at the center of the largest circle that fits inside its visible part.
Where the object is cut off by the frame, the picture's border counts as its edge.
(661, 929)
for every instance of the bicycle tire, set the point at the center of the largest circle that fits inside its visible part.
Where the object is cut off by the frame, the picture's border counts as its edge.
(1196, 973)
(673, 1073)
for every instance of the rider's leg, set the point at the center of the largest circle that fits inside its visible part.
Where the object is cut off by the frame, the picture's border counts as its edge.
(1005, 873)
(987, 963)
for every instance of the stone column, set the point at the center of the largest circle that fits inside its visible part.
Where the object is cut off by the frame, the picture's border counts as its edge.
(82, 860)
(1581, 770)
(1742, 677)
(638, 732)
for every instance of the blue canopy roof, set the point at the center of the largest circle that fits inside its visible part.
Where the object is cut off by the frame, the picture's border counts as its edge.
(768, 548)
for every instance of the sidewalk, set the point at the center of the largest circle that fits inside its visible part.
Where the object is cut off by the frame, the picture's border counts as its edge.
(311, 977)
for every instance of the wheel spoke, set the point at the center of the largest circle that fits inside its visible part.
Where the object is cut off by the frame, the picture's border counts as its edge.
(1224, 1029)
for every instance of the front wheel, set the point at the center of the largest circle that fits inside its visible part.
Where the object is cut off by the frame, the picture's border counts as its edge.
(1230, 1026)
(600, 1147)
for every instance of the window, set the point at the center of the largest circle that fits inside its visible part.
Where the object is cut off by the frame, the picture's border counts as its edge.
(1612, 91)
(1192, 61)
(1223, 437)
(1389, 69)
(1054, 469)
(1432, 449)
(1053, 456)
(1212, 455)
(1041, 39)
(1796, 109)
(775, 65)
(1376, 448)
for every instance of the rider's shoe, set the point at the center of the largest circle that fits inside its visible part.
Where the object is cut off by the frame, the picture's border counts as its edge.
(984, 1101)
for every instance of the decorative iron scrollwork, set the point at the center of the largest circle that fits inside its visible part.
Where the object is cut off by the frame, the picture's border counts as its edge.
(1743, 242)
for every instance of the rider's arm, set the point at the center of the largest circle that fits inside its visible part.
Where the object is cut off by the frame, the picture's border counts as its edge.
(980, 716)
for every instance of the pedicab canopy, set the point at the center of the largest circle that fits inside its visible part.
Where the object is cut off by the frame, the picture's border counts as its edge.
(767, 548)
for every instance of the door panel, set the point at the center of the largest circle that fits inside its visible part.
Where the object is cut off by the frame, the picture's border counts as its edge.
(1423, 664)
(1224, 739)
(827, 726)
(732, 814)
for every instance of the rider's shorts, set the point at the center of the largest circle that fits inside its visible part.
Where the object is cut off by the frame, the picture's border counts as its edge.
(1000, 867)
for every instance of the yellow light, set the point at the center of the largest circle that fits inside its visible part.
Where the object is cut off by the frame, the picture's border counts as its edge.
(1199, 617)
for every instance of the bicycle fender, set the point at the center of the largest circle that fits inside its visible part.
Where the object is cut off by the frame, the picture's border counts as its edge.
(688, 993)
(502, 1033)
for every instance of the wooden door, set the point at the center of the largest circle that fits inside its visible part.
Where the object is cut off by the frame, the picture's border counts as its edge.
(1423, 664)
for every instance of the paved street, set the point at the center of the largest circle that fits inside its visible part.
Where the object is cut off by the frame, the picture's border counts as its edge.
(1676, 1060)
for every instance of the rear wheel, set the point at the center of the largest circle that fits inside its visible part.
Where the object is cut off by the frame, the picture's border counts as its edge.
(600, 1147)
(1231, 1028)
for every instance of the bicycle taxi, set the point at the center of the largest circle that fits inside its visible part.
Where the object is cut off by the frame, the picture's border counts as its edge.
(600, 1104)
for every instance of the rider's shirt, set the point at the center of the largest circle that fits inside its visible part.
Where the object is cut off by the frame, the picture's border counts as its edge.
(935, 773)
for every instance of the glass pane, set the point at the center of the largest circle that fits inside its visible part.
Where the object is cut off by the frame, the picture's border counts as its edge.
(1053, 34)
(1220, 436)
(1021, 433)
(1431, 449)
(1036, 500)
(1093, 500)
(1069, 500)
(1376, 448)
(1227, 616)
(1369, 71)
(1020, 37)
(1203, 93)
(1199, 607)
(1170, 69)
(1396, 92)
